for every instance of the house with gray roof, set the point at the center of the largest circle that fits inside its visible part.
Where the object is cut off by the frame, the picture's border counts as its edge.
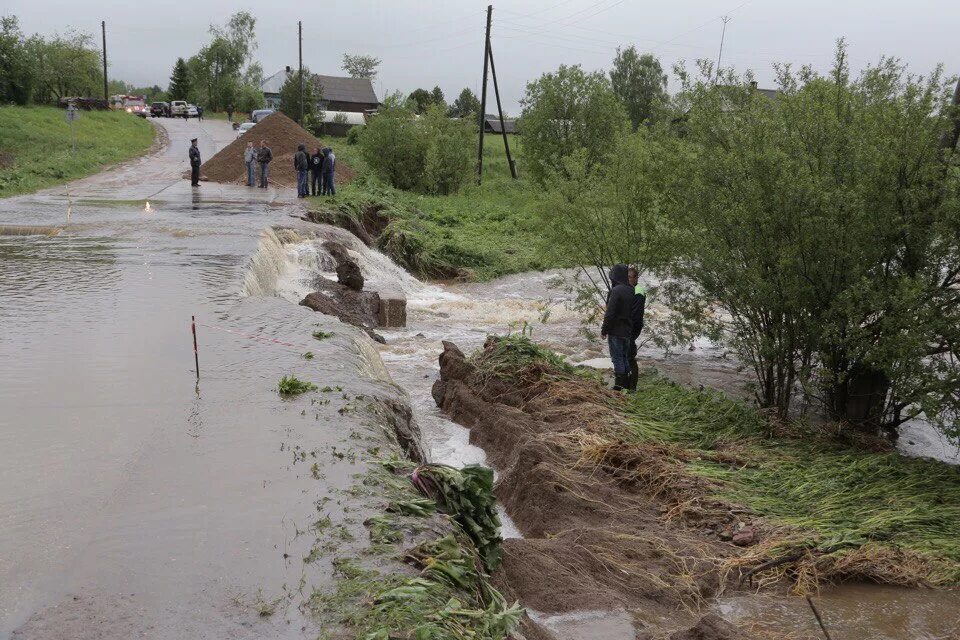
(354, 95)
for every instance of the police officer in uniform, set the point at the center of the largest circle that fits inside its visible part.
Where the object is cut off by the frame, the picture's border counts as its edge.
(194, 164)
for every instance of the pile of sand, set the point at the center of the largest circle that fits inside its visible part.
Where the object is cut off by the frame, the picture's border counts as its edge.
(282, 135)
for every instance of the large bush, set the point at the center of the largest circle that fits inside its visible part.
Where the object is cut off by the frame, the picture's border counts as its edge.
(565, 112)
(430, 154)
(826, 223)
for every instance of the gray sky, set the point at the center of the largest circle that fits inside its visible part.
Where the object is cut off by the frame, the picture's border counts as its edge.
(435, 42)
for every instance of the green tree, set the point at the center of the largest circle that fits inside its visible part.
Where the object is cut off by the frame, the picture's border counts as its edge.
(567, 111)
(594, 217)
(639, 82)
(290, 104)
(419, 101)
(437, 98)
(467, 106)
(217, 69)
(17, 77)
(360, 66)
(179, 87)
(249, 98)
(826, 225)
(431, 154)
(66, 65)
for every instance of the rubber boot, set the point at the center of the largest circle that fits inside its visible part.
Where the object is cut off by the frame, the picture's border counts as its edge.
(619, 382)
(633, 376)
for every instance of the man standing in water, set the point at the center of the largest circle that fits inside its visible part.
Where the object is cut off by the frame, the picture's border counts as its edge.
(639, 306)
(264, 156)
(194, 163)
(617, 325)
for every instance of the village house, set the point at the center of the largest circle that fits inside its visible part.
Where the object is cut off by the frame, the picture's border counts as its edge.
(352, 95)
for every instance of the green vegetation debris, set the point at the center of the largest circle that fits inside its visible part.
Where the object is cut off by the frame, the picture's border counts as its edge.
(322, 335)
(292, 386)
(467, 496)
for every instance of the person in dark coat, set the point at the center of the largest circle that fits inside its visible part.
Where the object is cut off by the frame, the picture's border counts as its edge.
(264, 156)
(316, 172)
(194, 154)
(301, 164)
(329, 167)
(639, 306)
(617, 325)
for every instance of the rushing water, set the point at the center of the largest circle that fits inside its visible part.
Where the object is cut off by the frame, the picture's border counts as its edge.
(466, 313)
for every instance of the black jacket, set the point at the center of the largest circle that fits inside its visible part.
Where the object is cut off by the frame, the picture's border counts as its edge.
(301, 161)
(316, 162)
(617, 321)
(639, 305)
(264, 155)
(194, 156)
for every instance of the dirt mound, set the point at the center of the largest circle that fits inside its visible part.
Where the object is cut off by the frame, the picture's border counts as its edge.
(282, 135)
(594, 539)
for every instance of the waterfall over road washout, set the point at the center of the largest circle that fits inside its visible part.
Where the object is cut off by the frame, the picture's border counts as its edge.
(287, 262)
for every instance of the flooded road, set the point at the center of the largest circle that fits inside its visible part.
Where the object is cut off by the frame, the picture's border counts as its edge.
(137, 502)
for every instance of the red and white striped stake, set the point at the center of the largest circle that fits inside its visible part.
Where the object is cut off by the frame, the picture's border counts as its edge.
(196, 358)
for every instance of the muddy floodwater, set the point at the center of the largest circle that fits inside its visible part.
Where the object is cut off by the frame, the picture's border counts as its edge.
(137, 502)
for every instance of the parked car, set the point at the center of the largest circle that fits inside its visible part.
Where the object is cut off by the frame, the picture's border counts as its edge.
(243, 128)
(160, 109)
(260, 114)
(192, 111)
(178, 108)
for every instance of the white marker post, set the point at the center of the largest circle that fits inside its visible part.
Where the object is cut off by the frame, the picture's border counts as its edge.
(72, 115)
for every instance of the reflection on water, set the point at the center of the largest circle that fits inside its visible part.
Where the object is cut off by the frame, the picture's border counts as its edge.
(853, 612)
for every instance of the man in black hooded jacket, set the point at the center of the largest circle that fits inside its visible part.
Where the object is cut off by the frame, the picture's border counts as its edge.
(617, 325)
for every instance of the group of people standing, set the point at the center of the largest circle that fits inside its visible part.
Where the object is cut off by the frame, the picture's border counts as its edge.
(257, 161)
(622, 324)
(315, 174)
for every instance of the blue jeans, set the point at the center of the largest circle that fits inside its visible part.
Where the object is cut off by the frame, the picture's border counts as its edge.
(264, 174)
(250, 174)
(329, 188)
(302, 188)
(619, 354)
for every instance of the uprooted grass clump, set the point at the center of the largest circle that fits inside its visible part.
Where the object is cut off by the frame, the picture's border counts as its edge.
(294, 386)
(821, 508)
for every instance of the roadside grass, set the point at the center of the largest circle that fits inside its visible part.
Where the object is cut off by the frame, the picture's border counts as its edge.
(36, 145)
(845, 498)
(481, 232)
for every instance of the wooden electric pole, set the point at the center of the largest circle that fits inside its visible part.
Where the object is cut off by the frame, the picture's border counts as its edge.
(723, 34)
(503, 126)
(103, 28)
(483, 95)
(300, 38)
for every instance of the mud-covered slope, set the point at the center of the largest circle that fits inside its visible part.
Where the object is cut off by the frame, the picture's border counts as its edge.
(592, 541)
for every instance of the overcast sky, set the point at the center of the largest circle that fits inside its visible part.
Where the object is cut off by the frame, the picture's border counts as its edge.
(439, 42)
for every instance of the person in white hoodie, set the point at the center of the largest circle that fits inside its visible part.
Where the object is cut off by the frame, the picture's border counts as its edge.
(250, 159)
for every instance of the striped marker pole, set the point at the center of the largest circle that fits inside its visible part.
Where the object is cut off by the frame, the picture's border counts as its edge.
(196, 358)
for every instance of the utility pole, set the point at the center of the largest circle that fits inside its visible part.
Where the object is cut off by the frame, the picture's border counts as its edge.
(483, 95)
(103, 28)
(723, 34)
(503, 127)
(300, 37)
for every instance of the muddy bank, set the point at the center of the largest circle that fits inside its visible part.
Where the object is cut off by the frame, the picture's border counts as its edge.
(592, 541)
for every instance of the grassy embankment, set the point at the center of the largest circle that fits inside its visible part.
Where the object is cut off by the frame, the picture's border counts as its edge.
(36, 145)
(857, 506)
(826, 508)
(480, 232)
